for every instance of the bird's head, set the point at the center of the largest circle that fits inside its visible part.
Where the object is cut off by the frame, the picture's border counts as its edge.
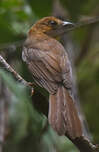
(51, 26)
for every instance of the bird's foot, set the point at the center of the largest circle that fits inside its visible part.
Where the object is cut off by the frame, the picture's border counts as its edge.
(31, 84)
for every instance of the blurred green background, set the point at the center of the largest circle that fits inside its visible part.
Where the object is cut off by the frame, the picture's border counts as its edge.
(24, 124)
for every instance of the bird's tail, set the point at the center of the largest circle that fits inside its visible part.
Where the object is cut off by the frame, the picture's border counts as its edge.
(63, 115)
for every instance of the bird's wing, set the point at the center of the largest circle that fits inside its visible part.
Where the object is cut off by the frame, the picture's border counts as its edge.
(44, 67)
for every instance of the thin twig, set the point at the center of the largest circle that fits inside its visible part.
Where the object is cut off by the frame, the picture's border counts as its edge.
(2, 101)
(15, 74)
(93, 20)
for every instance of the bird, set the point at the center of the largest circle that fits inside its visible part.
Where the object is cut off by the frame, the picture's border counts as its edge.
(50, 67)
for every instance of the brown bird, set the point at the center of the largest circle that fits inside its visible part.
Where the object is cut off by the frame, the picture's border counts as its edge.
(49, 64)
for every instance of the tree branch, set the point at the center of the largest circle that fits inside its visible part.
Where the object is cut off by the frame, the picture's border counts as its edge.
(14, 73)
(84, 23)
(84, 144)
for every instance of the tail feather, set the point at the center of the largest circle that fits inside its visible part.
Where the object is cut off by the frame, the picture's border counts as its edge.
(63, 115)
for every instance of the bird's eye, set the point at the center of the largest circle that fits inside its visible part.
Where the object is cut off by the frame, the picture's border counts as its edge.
(52, 23)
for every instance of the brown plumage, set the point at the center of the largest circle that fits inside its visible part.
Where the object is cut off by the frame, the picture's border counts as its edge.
(49, 64)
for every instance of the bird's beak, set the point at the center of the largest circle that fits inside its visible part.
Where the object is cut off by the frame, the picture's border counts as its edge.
(67, 24)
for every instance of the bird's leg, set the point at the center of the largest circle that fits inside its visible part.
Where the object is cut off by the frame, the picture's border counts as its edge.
(31, 84)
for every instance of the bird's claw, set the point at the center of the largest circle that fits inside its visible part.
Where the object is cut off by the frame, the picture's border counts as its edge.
(32, 88)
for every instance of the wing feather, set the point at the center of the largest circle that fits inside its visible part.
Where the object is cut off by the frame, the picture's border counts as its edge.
(40, 65)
